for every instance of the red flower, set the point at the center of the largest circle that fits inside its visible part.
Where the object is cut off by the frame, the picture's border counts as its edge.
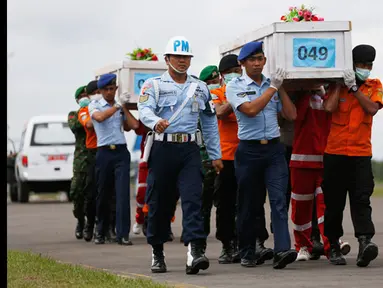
(139, 55)
(283, 18)
(296, 19)
(146, 51)
(154, 58)
(314, 18)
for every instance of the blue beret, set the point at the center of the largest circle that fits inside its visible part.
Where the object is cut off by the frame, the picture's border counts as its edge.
(106, 80)
(249, 49)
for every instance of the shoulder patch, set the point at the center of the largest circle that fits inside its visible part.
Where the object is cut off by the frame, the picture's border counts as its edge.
(241, 95)
(143, 98)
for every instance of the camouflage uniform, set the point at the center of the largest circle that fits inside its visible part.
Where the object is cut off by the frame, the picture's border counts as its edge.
(80, 166)
(208, 186)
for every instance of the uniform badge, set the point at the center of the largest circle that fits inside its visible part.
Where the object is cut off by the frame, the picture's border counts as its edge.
(83, 117)
(241, 95)
(276, 98)
(143, 98)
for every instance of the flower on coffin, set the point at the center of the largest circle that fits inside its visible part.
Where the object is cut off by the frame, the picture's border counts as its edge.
(301, 14)
(143, 54)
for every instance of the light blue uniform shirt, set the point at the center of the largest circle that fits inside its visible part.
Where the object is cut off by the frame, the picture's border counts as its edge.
(109, 131)
(264, 126)
(171, 96)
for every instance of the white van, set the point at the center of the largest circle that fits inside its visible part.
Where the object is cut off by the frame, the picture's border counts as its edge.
(45, 158)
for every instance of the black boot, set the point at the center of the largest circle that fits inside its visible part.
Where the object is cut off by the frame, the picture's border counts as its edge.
(368, 251)
(196, 259)
(171, 236)
(158, 259)
(88, 231)
(262, 253)
(99, 239)
(282, 259)
(79, 229)
(236, 254)
(226, 256)
(318, 249)
(336, 257)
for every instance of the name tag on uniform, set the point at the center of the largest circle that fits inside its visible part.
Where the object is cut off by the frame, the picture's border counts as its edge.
(243, 94)
(195, 106)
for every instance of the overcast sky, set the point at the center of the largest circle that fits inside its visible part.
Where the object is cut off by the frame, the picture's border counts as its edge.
(55, 46)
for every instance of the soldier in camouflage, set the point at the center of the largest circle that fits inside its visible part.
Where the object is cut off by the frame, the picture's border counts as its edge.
(79, 166)
(208, 186)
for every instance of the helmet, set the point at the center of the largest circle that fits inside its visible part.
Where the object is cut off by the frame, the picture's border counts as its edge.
(178, 45)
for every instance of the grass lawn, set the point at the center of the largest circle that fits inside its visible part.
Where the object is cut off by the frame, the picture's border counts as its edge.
(378, 190)
(31, 270)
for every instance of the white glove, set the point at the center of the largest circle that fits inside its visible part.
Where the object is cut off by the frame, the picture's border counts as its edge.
(124, 98)
(277, 78)
(349, 78)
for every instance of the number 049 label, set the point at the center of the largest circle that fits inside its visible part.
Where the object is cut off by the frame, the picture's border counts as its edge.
(314, 52)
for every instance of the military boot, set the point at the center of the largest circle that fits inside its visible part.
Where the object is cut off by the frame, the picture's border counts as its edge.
(88, 231)
(282, 259)
(318, 249)
(226, 256)
(368, 251)
(196, 259)
(158, 259)
(335, 255)
(236, 254)
(79, 228)
(262, 253)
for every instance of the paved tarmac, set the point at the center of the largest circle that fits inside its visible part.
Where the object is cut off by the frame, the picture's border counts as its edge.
(47, 227)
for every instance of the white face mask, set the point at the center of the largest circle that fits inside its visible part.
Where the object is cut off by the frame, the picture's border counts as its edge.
(95, 97)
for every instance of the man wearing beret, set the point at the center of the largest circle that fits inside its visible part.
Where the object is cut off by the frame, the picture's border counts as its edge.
(112, 159)
(79, 163)
(347, 158)
(259, 158)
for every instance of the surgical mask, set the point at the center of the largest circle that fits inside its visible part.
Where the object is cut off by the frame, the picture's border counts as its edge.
(83, 102)
(95, 97)
(213, 86)
(362, 74)
(178, 71)
(228, 77)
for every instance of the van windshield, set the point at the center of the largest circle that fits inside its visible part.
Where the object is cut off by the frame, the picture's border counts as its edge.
(52, 134)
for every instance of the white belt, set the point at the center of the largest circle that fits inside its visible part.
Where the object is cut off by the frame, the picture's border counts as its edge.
(175, 138)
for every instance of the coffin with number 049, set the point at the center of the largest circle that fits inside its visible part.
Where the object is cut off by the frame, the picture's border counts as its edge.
(306, 50)
(131, 75)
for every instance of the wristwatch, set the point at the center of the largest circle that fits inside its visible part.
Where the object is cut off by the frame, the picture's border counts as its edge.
(354, 88)
(117, 105)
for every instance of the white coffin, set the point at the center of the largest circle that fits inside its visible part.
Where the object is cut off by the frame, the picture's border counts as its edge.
(306, 50)
(131, 75)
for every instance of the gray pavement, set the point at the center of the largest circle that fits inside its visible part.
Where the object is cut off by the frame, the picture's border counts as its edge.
(48, 228)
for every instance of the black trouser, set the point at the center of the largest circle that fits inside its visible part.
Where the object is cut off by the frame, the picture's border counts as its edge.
(225, 200)
(352, 174)
(90, 189)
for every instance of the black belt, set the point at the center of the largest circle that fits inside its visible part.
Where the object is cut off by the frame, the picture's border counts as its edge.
(263, 142)
(112, 147)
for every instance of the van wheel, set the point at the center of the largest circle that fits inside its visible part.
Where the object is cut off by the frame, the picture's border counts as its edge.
(23, 192)
(13, 193)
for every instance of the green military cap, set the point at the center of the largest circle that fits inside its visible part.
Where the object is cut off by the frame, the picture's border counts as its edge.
(208, 73)
(79, 91)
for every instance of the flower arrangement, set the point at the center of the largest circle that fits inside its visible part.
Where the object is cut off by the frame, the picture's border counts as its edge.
(301, 14)
(143, 54)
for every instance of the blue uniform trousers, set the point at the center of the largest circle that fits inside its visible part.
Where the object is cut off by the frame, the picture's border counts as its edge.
(174, 168)
(257, 163)
(113, 165)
